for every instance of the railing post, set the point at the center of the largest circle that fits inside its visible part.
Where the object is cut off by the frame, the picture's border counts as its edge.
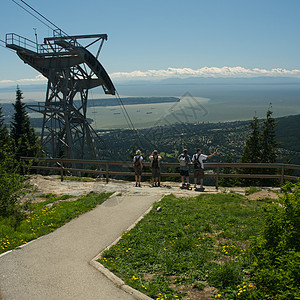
(61, 171)
(282, 175)
(217, 177)
(107, 171)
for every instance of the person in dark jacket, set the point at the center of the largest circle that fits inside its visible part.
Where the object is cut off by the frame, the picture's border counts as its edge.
(184, 161)
(155, 159)
(138, 167)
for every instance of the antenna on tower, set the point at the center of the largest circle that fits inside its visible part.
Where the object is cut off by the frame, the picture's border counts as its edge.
(36, 39)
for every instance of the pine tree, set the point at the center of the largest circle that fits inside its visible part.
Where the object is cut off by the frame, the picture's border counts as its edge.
(4, 136)
(4, 143)
(260, 147)
(22, 134)
(269, 144)
(252, 150)
(6, 155)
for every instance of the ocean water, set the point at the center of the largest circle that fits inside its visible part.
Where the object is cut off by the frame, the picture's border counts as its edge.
(201, 103)
(189, 109)
(198, 103)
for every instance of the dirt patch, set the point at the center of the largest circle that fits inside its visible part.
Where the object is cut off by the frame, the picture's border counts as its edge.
(262, 195)
(148, 276)
(196, 294)
(40, 185)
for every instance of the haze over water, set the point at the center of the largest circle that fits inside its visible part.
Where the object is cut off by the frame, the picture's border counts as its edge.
(207, 102)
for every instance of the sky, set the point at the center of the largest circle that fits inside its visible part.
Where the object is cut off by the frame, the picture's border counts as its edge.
(167, 38)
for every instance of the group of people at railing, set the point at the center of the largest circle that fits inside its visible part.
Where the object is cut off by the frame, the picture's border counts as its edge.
(184, 160)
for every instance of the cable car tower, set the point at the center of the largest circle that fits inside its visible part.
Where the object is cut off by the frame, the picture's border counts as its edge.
(71, 70)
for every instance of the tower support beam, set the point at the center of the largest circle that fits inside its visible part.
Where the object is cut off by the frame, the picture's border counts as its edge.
(72, 70)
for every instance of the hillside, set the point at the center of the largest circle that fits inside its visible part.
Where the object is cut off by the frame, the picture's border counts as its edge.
(227, 137)
(288, 132)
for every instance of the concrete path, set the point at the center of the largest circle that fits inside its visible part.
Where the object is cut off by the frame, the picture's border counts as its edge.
(56, 266)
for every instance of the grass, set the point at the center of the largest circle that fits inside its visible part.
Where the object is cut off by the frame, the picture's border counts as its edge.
(41, 220)
(194, 247)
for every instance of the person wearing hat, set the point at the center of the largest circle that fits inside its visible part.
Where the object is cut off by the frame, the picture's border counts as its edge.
(155, 164)
(138, 167)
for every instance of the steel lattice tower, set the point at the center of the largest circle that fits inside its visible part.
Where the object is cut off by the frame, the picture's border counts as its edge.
(71, 70)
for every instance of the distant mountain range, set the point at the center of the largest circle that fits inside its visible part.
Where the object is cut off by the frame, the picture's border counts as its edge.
(233, 81)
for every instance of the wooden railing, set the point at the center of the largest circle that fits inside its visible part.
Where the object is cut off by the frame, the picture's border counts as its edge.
(63, 166)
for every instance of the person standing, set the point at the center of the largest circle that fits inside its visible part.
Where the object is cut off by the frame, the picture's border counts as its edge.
(138, 167)
(155, 164)
(198, 159)
(184, 160)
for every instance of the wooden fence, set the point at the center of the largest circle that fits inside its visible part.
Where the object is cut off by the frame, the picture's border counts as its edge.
(121, 168)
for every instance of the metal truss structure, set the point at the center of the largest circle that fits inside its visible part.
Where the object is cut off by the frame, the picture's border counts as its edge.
(71, 70)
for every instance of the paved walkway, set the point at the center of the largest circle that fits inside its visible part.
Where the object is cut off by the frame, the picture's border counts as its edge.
(56, 266)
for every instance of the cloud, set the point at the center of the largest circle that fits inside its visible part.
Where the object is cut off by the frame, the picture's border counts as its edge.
(205, 72)
(36, 80)
(6, 81)
(215, 72)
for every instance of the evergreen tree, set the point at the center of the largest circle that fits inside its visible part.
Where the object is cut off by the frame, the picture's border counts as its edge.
(260, 147)
(22, 134)
(4, 136)
(7, 159)
(252, 153)
(269, 144)
(6, 155)
(252, 150)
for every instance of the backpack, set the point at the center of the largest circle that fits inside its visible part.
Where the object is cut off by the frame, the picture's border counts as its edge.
(155, 162)
(182, 161)
(137, 161)
(197, 164)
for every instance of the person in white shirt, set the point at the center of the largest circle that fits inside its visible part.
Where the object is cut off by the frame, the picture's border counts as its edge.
(197, 160)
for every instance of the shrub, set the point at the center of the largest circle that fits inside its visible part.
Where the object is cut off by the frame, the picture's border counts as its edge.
(276, 248)
(10, 185)
(229, 274)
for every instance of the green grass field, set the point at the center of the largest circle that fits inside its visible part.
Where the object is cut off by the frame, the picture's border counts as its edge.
(194, 248)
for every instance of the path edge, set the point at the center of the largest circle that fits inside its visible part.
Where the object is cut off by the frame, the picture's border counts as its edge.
(110, 275)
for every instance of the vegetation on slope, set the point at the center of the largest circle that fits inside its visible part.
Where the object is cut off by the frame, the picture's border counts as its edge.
(221, 246)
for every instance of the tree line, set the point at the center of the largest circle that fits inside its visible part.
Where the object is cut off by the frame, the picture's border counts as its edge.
(21, 139)
(260, 147)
